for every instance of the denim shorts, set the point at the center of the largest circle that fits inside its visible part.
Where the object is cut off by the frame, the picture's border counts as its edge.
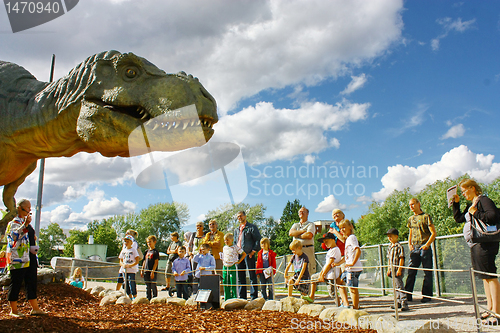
(351, 278)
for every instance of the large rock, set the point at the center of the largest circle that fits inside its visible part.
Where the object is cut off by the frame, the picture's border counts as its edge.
(292, 304)
(106, 292)
(350, 316)
(107, 300)
(140, 300)
(124, 300)
(190, 301)
(273, 305)
(176, 301)
(313, 310)
(234, 304)
(380, 323)
(161, 300)
(96, 290)
(329, 313)
(256, 304)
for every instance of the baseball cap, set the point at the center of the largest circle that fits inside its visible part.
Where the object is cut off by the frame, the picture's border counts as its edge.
(130, 238)
(328, 235)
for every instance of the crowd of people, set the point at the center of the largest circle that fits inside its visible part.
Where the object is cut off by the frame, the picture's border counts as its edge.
(233, 254)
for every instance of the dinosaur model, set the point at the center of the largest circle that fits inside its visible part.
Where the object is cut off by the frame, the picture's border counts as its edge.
(95, 108)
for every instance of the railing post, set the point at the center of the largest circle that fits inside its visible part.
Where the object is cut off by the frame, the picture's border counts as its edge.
(437, 283)
(474, 299)
(86, 275)
(381, 263)
(393, 276)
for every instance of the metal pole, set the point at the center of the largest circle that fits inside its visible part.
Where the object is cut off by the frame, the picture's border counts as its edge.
(86, 275)
(436, 273)
(474, 299)
(393, 276)
(38, 213)
(381, 263)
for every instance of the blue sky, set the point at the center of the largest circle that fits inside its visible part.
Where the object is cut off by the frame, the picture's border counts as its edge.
(402, 92)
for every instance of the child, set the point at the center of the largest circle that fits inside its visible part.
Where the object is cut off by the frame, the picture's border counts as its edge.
(331, 270)
(266, 267)
(172, 255)
(396, 256)
(133, 234)
(77, 279)
(129, 260)
(205, 261)
(301, 273)
(181, 267)
(149, 265)
(3, 261)
(353, 265)
(230, 258)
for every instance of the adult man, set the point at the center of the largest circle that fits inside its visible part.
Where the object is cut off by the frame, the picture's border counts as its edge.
(422, 234)
(247, 237)
(215, 239)
(304, 232)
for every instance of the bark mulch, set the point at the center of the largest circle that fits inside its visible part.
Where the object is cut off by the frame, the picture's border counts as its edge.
(74, 310)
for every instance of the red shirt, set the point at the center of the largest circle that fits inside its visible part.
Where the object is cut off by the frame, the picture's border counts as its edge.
(3, 262)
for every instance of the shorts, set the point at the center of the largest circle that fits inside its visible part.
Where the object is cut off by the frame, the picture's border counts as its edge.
(168, 270)
(303, 288)
(351, 278)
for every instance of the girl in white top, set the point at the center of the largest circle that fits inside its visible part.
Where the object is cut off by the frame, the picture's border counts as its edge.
(77, 279)
(353, 265)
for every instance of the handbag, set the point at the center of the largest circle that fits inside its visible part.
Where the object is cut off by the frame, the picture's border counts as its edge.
(483, 233)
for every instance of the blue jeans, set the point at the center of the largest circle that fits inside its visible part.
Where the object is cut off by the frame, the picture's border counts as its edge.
(151, 288)
(242, 277)
(182, 289)
(417, 257)
(130, 287)
(351, 278)
(266, 284)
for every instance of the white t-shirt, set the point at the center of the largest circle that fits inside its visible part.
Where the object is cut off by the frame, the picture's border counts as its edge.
(128, 256)
(351, 243)
(308, 227)
(334, 253)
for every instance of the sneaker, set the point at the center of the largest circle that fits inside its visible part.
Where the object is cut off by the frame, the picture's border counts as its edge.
(425, 300)
(405, 308)
(16, 315)
(38, 313)
(399, 306)
(307, 298)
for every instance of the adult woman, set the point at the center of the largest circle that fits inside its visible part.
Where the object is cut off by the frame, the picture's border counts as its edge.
(482, 254)
(18, 249)
(337, 216)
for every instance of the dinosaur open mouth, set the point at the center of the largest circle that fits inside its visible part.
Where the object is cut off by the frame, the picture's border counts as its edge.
(180, 124)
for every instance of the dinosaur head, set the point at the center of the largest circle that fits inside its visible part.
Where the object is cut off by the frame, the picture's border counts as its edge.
(126, 93)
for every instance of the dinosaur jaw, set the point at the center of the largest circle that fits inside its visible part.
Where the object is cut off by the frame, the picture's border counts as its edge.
(122, 130)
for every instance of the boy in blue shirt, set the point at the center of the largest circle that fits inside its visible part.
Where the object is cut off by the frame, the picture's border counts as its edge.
(205, 261)
(181, 268)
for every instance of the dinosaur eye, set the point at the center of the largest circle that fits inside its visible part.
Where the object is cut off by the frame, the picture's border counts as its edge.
(130, 73)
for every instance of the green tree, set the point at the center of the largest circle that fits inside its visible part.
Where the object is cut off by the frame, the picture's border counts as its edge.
(104, 233)
(50, 237)
(75, 237)
(226, 216)
(282, 240)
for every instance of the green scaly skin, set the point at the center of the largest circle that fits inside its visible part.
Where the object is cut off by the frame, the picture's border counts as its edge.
(95, 108)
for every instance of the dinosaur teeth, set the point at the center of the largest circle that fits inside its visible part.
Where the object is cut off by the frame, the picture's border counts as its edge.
(145, 116)
(199, 122)
(176, 124)
(185, 125)
(156, 126)
(192, 122)
(169, 126)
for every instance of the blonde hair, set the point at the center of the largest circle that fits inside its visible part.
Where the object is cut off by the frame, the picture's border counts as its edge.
(229, 236)
(131, 232)
(77, 273)
(175, 234)
(346, 222)
(296, 244)
(151, 238)
(335, 211)
(2, 254)
(467, 183)
(265, 240)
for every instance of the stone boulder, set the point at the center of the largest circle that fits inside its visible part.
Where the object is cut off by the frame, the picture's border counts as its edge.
(234, 304)
(89, 289)
(124, 300)
(96, 290)
(350, 316)
(329, 313)
(107, 300)
(176, 301)
(292, 304)
(256, 304)
(426, 326)
(159, 300)
(380, 323)
(105, 292)
(49, 275)
(313, 310)
(273, 305)
(190, 301)
(140, 300)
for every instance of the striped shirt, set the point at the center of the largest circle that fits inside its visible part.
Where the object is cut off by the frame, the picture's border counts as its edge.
(394, 254)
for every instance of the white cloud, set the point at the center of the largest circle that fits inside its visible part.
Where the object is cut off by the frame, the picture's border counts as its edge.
(454, 132)
(237, 49)
(267, 134)
(309, 159)
(328, 204)
(356, 83)
(450, 25)
(455, 163)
